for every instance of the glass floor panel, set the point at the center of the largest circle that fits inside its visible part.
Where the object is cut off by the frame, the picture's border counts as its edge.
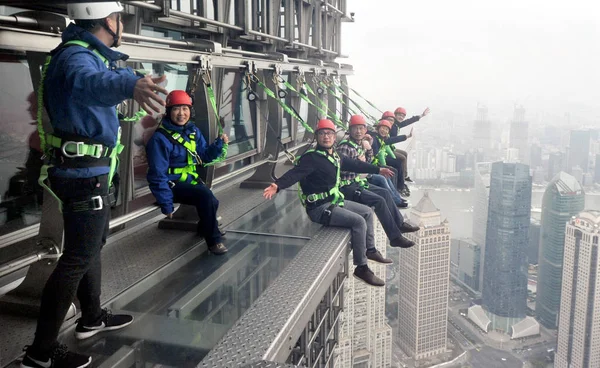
(284, 215)
(183, 315)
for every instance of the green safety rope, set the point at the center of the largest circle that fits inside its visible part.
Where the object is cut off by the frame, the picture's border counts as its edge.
(211, 98)
(325, 110)
(367, 101)
(338, 197)
(360, 108)
(283, 105)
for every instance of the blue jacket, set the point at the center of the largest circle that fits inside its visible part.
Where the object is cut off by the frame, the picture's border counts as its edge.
(163, 153)
(81, 93)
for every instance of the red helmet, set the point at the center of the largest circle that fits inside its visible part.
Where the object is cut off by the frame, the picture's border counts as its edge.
(400, 110)
(384, 123)
(357, 120)
(178, 97)
(387, 114)
(325, 124)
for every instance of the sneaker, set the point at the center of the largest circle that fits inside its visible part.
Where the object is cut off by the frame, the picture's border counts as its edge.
(408, 179)
(401, 242)
(108, 322)
(379, 258)
(408, 228)
(60, 357)
(365, 274)
(218, 249)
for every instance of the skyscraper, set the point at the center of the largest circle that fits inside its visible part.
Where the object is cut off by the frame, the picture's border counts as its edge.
(365, 337)
(480, 210)
(519, 134)
(579, 150)
(555, 164)
(423, 291)
(562, 199)
(507, 238)
(482, 134)
(579, 317)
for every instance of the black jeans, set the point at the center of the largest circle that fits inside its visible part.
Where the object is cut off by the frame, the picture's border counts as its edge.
(206, 205)
(383, 206)
(397, 164)
(78, 271)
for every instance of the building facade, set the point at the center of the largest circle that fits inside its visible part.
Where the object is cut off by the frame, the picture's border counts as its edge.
(507, 238)
(465, 257)
(480, 210)
(423, 291)
(563, 198)
(579, 317)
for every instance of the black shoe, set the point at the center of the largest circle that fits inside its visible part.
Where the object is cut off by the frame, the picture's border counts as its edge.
(108, 322)
(218, 249)
(408, 228)
(365, 274)
(60, 357)
(408, 179)
(401, 242)
(402, 205)
(379, 258)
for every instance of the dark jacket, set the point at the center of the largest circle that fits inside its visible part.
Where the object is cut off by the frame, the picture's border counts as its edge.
(81, 94)
(317, 174)
(406, 122)
(377, 139)
(162, 153)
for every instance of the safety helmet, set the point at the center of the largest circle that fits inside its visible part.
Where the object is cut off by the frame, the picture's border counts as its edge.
(387, 114)
(325, 124)
(384, 123)
(178, 97)
(90, 11)
(357, 120)
(400, 110)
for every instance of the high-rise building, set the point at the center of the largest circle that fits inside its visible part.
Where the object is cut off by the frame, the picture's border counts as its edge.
(535, 155)
(534, 242)
(555, 164)
(597, 175)
(480, 210)
(562, 199)
(465, 258)
(507, 237)
(519, 134)
(482, 133)
(579, 150)
(579, 316)
(365, 337)
(423, 290)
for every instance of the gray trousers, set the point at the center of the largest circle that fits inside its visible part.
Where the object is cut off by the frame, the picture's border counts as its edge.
(355, 216)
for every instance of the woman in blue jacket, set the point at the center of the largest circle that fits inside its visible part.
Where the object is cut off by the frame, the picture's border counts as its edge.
(174, 151)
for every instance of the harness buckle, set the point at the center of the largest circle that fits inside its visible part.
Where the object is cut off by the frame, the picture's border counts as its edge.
(97, 203)
(311, 198)
(99, 149)
(78, 152)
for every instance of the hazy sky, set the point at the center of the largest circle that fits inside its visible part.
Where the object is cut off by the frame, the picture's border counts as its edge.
(450, 55)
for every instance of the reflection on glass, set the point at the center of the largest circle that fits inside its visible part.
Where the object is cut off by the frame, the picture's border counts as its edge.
(181, 317)
(20, 151)
(304, 115)
(235, 111)
(286, 124)
(177, 76)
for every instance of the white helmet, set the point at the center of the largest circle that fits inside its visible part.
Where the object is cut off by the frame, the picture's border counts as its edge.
(89, 11)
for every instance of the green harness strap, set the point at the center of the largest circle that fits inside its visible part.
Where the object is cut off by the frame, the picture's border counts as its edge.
(357, 179)
(325, 109)
(213, 103)
(193, 159)
(338, 197)
(70, 148)
(384, 151)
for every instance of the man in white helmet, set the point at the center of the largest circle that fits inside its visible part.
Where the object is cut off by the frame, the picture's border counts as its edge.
(80, 91)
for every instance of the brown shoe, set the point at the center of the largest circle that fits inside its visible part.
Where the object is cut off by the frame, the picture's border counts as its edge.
(379, 258)
(401, 242)
(363, 273)
(218, 249)
(408, 228)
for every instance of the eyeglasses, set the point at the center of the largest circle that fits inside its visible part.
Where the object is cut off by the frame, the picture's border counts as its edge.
(325, 133)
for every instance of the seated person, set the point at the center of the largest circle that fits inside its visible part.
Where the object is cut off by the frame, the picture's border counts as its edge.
(174, 151)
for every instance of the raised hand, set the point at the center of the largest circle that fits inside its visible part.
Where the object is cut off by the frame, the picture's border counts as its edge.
(270, 191)
(145, 93)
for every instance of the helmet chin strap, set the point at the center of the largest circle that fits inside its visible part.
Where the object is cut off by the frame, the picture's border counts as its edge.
(113, 34)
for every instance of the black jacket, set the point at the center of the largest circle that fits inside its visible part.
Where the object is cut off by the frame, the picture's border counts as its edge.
(317, 174)
(406, 122)
(389, 141)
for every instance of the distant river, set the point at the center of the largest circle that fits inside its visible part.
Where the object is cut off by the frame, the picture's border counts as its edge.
(456, 204)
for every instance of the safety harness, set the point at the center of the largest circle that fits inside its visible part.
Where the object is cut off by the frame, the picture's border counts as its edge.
(338, 197)
(75, 151)
(357, 179)
(384, 151)
(193, 159)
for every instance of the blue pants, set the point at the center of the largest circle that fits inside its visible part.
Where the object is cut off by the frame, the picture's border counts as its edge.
(206, 204)
(386, 183)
